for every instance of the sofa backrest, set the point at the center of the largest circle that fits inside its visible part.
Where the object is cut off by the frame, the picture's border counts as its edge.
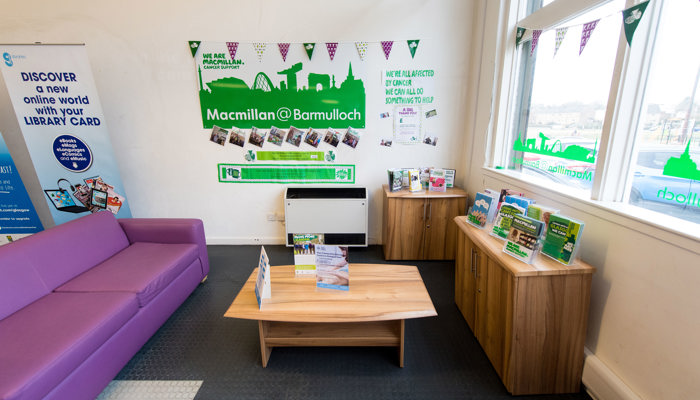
(20, 283)
(67, 250)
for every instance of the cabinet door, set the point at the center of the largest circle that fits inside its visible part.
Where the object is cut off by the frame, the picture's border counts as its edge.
(404, 228)
(465, 279)
(493, 310)
(440, 229)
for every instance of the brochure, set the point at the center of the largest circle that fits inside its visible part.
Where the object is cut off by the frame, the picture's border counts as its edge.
(425, 176)
(305, 252)
(404, 177)
(450, 177)
(561, 241)
(504, 219)
(540, 213)
(262, 283)
(521, 201)
(395, 179)
(523, 238)
(483, 210)
(437, 180)
(414, 184)
(507, 192)
(332, 267)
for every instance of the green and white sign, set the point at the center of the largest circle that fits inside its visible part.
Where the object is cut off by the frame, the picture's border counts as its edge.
(273, 173)
(245, 84)
(290, 156)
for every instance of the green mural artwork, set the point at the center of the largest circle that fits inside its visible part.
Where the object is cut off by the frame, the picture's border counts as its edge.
(319, 93)
(682, 166)
(556, 149)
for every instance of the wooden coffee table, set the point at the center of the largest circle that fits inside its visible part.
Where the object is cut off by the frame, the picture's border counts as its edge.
(371, 313)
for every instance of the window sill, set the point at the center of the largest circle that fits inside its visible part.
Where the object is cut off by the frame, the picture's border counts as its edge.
(680, 233)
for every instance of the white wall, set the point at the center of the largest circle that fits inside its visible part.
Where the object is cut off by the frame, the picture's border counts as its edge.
(146, 79)
(644, 324)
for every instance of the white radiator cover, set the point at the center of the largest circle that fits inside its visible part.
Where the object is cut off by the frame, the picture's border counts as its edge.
(338, 213)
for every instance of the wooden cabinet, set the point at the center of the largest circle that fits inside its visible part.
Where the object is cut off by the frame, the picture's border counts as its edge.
(419, 226)
(529, 319)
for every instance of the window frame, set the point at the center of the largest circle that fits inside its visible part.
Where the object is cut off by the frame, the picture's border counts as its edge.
(613, 177)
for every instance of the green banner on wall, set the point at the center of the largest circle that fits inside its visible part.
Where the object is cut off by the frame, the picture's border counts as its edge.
(242, 86)
(290, 155)
(300, 173)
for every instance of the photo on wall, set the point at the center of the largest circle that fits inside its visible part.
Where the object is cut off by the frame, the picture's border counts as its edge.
(218, 135)
(275, 136)
(351, 138)
(332, 137)
(257, 138)
(312, 137)
(237, 137)
(294, 136)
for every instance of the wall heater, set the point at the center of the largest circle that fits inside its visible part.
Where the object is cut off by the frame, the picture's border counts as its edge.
(339, 213)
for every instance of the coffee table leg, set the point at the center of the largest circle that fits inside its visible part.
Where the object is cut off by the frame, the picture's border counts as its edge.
(264, 349)
(402, 330)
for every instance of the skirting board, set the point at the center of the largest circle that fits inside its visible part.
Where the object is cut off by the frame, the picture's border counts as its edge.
(603, 384)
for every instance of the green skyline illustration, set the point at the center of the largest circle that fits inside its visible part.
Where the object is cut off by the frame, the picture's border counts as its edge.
(572, 152)
(263, 99)
(682, 166)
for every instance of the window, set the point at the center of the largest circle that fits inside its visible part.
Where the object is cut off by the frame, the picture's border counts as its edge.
(666, 174)
(606, 108)
(564, 95)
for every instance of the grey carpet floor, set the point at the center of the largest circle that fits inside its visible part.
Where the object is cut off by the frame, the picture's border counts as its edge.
(443, 360)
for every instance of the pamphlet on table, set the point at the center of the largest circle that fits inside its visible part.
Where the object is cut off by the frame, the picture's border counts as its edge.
(332, 267)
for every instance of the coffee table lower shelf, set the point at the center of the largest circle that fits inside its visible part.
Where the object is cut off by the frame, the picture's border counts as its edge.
(297, 334)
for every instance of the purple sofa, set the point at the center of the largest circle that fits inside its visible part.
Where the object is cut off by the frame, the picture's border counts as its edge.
(77, 301)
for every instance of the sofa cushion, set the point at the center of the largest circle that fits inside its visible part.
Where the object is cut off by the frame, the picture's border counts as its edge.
(45, 341)
(142, 268)
(67, 250)
(20, 284)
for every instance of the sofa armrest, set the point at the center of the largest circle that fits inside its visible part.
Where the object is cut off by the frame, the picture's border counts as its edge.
(168, 230)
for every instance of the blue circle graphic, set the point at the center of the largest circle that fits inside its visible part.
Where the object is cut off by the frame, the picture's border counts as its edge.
(72, 153)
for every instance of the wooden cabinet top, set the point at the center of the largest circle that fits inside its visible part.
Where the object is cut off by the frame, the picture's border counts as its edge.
(405, 193)
(542, 265)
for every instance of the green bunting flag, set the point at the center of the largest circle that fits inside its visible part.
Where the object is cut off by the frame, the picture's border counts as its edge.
(631, 18)
(519, 35)
(412, 47)
(194, 46)
(309, 47)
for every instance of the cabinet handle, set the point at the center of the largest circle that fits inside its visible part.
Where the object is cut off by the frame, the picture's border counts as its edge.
(476, 265)
(430, 211)
(471, 261)
(423, 211)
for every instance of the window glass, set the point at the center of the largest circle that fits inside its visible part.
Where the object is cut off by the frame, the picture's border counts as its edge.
(560, 115)
(666, 174)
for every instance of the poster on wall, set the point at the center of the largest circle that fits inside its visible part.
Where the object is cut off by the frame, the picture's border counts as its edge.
(246, 85)
(18, 218)
(410, 94)
(59, 112)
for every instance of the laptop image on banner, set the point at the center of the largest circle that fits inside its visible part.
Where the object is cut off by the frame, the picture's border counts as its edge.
(63, 201)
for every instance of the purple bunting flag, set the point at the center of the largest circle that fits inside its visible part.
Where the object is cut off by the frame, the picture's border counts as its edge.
(332, 47)
(586, 34)
(535, 37)
(386, 46)
(232, 47)
(284, 49)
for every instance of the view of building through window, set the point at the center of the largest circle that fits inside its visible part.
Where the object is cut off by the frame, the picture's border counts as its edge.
(666, 174)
